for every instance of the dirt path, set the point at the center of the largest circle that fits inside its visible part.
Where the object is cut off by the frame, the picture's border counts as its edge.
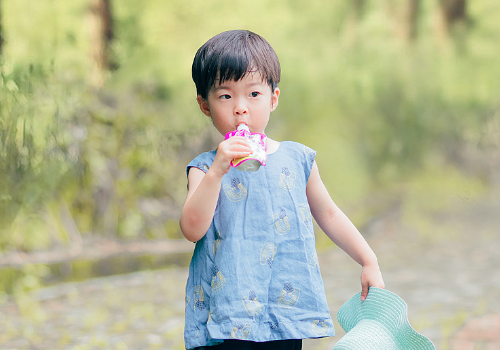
(451, 286)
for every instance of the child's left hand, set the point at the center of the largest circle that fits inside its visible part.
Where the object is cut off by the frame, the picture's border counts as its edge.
(370, 277)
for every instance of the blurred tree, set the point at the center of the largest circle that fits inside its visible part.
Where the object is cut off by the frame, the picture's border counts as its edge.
(451, 13)
(405, 16)
(1, 29)
(359, 7)
(356, 11)
(411, 12)
(101, 36)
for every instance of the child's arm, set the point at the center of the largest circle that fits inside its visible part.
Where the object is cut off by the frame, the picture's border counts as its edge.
(342, 232)
(204, 188)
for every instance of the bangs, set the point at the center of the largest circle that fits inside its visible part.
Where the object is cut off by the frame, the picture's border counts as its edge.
(234, 67)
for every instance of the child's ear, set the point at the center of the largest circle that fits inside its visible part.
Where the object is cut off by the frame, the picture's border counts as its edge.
(204, 106)
(274, 99)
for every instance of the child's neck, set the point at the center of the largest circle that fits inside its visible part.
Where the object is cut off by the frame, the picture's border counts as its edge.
(272, 146)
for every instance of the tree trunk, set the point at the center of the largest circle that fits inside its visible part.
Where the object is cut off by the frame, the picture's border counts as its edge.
(359, 7)
(101, 35)
(411, 12)
(451, 12)
(454, 10)
(354, 17)
(404, 17)
(1, 30)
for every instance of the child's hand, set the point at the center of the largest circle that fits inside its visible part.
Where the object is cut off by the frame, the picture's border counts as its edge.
(233, 148)
(370, 277)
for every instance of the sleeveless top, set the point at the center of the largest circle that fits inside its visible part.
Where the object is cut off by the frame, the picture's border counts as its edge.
(255, 274)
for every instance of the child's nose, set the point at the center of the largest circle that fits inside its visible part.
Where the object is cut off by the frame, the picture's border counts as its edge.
(240, 108)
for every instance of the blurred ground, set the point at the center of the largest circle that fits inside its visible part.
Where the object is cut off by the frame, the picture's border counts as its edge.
(449, 279)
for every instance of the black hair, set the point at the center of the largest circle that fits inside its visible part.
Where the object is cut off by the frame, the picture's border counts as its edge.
(230, 56)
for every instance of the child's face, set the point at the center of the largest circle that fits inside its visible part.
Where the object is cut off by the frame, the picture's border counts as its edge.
(249, 100)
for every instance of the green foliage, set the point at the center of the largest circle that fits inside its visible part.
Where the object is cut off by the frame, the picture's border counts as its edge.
(34, 155)
(378, 110)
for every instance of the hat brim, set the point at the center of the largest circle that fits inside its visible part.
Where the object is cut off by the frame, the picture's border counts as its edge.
(378, 322)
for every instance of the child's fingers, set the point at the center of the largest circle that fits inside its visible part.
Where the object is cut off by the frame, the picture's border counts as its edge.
(230, 149)
(364, 291)
(236, 143)
(241, 141)
(233, 145)
(370, 276)
(240, 148)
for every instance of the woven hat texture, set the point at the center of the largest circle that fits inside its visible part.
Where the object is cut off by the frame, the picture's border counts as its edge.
(380, 322)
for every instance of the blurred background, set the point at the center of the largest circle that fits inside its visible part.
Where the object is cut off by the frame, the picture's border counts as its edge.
(98, 119)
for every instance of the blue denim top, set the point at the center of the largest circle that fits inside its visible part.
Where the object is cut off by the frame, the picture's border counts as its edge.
(255, 274)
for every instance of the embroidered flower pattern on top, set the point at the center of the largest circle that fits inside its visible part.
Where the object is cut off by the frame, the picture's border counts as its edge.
(218, 280)
(311, 154)
(241, 331)
(236, 191)
(313, 261)
(287, 179)
(306, 217)
(289, 296)
(321, 327)
(203, 166)
(251, 304)
(281, 223)
(199, 298)
(267, 254)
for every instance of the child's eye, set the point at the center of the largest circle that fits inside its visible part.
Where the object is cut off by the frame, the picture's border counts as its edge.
(225, 97)
(255, 94)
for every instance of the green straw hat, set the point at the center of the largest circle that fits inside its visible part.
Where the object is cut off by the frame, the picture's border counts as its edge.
(378, 323)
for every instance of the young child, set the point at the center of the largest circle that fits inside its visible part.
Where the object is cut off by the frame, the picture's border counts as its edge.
(254, 280)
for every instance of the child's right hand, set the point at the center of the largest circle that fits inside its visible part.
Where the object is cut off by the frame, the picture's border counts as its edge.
(204, 188)
(233, 148)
